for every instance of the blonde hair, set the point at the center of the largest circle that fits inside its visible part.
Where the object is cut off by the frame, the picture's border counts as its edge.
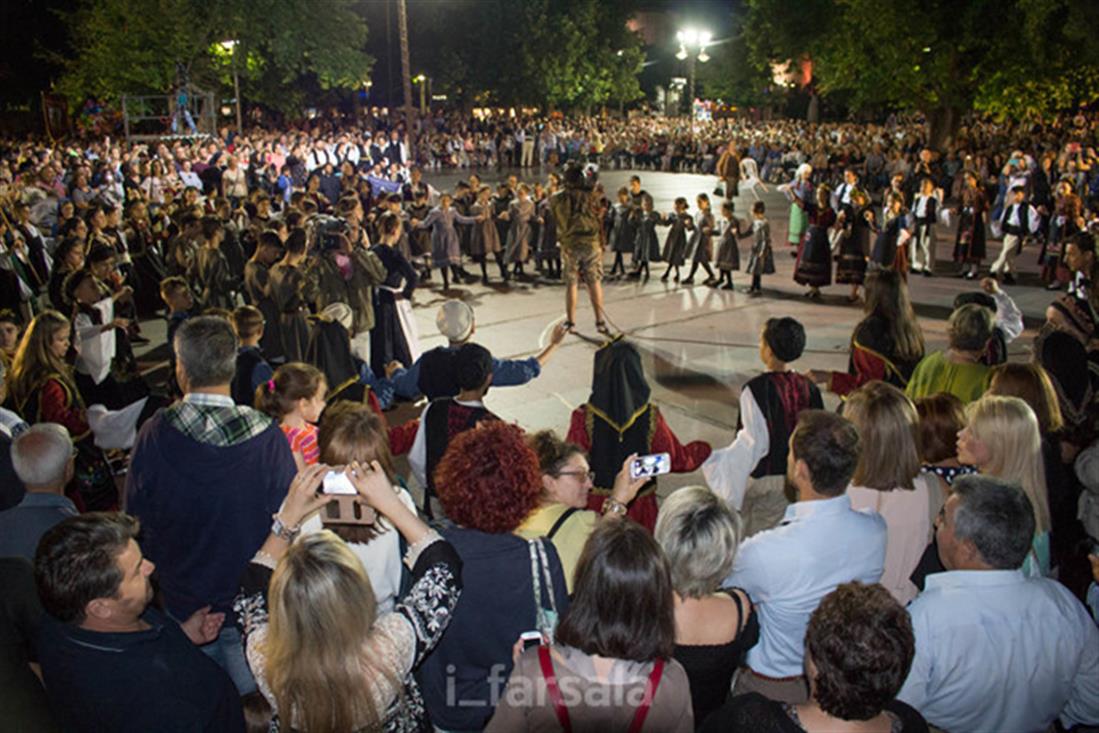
(1008, 428)
(699, 534)
(888, 426)
(34, 360)
(322, 611)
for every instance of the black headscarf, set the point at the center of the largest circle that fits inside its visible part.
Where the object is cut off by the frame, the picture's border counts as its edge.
(330, 351)
(619, 390)
(1065, 359)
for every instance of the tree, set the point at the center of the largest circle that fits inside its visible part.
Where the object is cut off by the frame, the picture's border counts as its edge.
(940, 57)
(134, 46)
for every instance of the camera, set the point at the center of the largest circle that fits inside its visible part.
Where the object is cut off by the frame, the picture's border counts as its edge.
(329, 231)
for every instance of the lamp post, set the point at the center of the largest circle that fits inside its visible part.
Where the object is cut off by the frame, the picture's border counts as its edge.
(231, 47)
(692, 48)
(422, 81)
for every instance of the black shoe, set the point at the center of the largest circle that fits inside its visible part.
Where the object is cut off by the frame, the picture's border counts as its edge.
(139, 340)
(687, 281)
(484, 279)
(928, 273)
(664, 278)
(728, 287)
(1009, 279)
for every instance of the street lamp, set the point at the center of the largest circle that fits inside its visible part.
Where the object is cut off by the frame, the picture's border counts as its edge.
(423, 81)
(231, 47)
(692, 47)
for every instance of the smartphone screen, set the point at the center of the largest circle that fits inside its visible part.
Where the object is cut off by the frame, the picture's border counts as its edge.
(336, 482)
(650, 465)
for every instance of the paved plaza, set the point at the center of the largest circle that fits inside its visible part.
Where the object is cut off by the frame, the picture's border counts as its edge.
(700, 344)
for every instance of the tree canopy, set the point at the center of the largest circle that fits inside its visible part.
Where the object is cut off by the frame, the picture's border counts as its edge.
(283, 46)
(941, 57)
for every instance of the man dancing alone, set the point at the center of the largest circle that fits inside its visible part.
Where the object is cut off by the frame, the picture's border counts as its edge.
(578, 219)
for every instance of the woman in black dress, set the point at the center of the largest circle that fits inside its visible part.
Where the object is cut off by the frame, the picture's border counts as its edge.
(814, 265)
(857, 219)
(853, 625)
(969, 245)
(715, 627)
(389, 340)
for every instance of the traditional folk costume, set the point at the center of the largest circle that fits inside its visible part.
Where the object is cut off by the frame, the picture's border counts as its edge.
(549, 253)
(215, 281)
(617, 421)
(646, 246)
(750, 473)
(675, 243)
(873, 357)
(521, 213)
(286, 285)
(394, 336)
(761, 258)
(798, 191)
(1018, 222)
(969, 244)
(728, 253)
(1067, 211)
(257, 290)
(700, 246)
(814, 263)
(855, 246)
(925, 209)
(441, 421)
(419, 240)
(890, 251)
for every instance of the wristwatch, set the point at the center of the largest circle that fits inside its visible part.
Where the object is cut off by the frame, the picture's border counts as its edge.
(282, 531)
(613, 506)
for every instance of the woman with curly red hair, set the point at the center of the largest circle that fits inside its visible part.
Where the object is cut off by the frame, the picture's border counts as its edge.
(488, 481)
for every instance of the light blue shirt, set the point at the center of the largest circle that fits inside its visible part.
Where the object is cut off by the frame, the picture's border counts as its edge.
(996, 651)
(788, 570)
(22, 526)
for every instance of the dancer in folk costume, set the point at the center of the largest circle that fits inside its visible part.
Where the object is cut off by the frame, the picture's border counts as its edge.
(969, 244)
(814, 263)
(701, 244)
(549, 252)
(925, 210)
(728, 254)
(799, 190)
(646, 247)
(521, 215)
(445, 246)
(1067, 220)
(1018, 222)
(857, 219)
(890, 250)
(419, 240)
(485, 241)
(623, 228)
(761, 258)
(619, 420)
(394, 336)
(675, 243)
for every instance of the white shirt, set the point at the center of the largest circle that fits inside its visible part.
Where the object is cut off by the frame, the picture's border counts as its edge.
(1008, 316)
(417, 456)
(381, 557)
(728, 469)
(786, 571)
(999, 652)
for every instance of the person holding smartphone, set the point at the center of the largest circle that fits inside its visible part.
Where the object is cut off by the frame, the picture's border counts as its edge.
(294, 669)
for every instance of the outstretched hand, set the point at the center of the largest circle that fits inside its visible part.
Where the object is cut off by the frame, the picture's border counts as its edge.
(203, 627)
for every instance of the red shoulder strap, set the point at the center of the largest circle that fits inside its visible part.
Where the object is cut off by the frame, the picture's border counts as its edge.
(554, 691)
(646, 702)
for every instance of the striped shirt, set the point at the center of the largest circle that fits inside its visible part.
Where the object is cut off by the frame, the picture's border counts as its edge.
(303, 441)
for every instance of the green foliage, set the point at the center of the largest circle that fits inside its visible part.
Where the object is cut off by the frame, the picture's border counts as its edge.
(560, 53)
(133, 46)
(1009, 57)
(735, 76)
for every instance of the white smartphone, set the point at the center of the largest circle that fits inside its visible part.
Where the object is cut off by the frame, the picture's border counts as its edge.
(336, 482)
(531, 638)
(651, 465)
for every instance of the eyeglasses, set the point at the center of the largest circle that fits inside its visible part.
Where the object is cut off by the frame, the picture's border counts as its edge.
(590, 475)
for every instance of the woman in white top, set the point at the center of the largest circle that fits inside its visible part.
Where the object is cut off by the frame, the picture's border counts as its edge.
(352, 432)
(234, 181)
(888, 480)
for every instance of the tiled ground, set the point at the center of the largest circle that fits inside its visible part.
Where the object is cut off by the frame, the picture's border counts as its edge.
(700, 344)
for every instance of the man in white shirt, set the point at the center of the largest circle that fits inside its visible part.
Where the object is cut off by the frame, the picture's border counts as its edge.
(820, 544)
(996, 651)
(1018, 221)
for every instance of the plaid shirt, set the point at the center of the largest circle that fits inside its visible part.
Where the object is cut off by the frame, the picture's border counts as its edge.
(216, 419)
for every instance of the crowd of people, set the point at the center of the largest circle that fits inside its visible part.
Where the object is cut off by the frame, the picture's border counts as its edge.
(235, 542)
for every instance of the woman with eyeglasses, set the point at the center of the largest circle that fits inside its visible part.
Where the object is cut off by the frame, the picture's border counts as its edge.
(562, 515)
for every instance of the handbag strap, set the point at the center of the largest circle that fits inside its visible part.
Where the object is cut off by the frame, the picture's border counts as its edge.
(650, 691)
(554, 691)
